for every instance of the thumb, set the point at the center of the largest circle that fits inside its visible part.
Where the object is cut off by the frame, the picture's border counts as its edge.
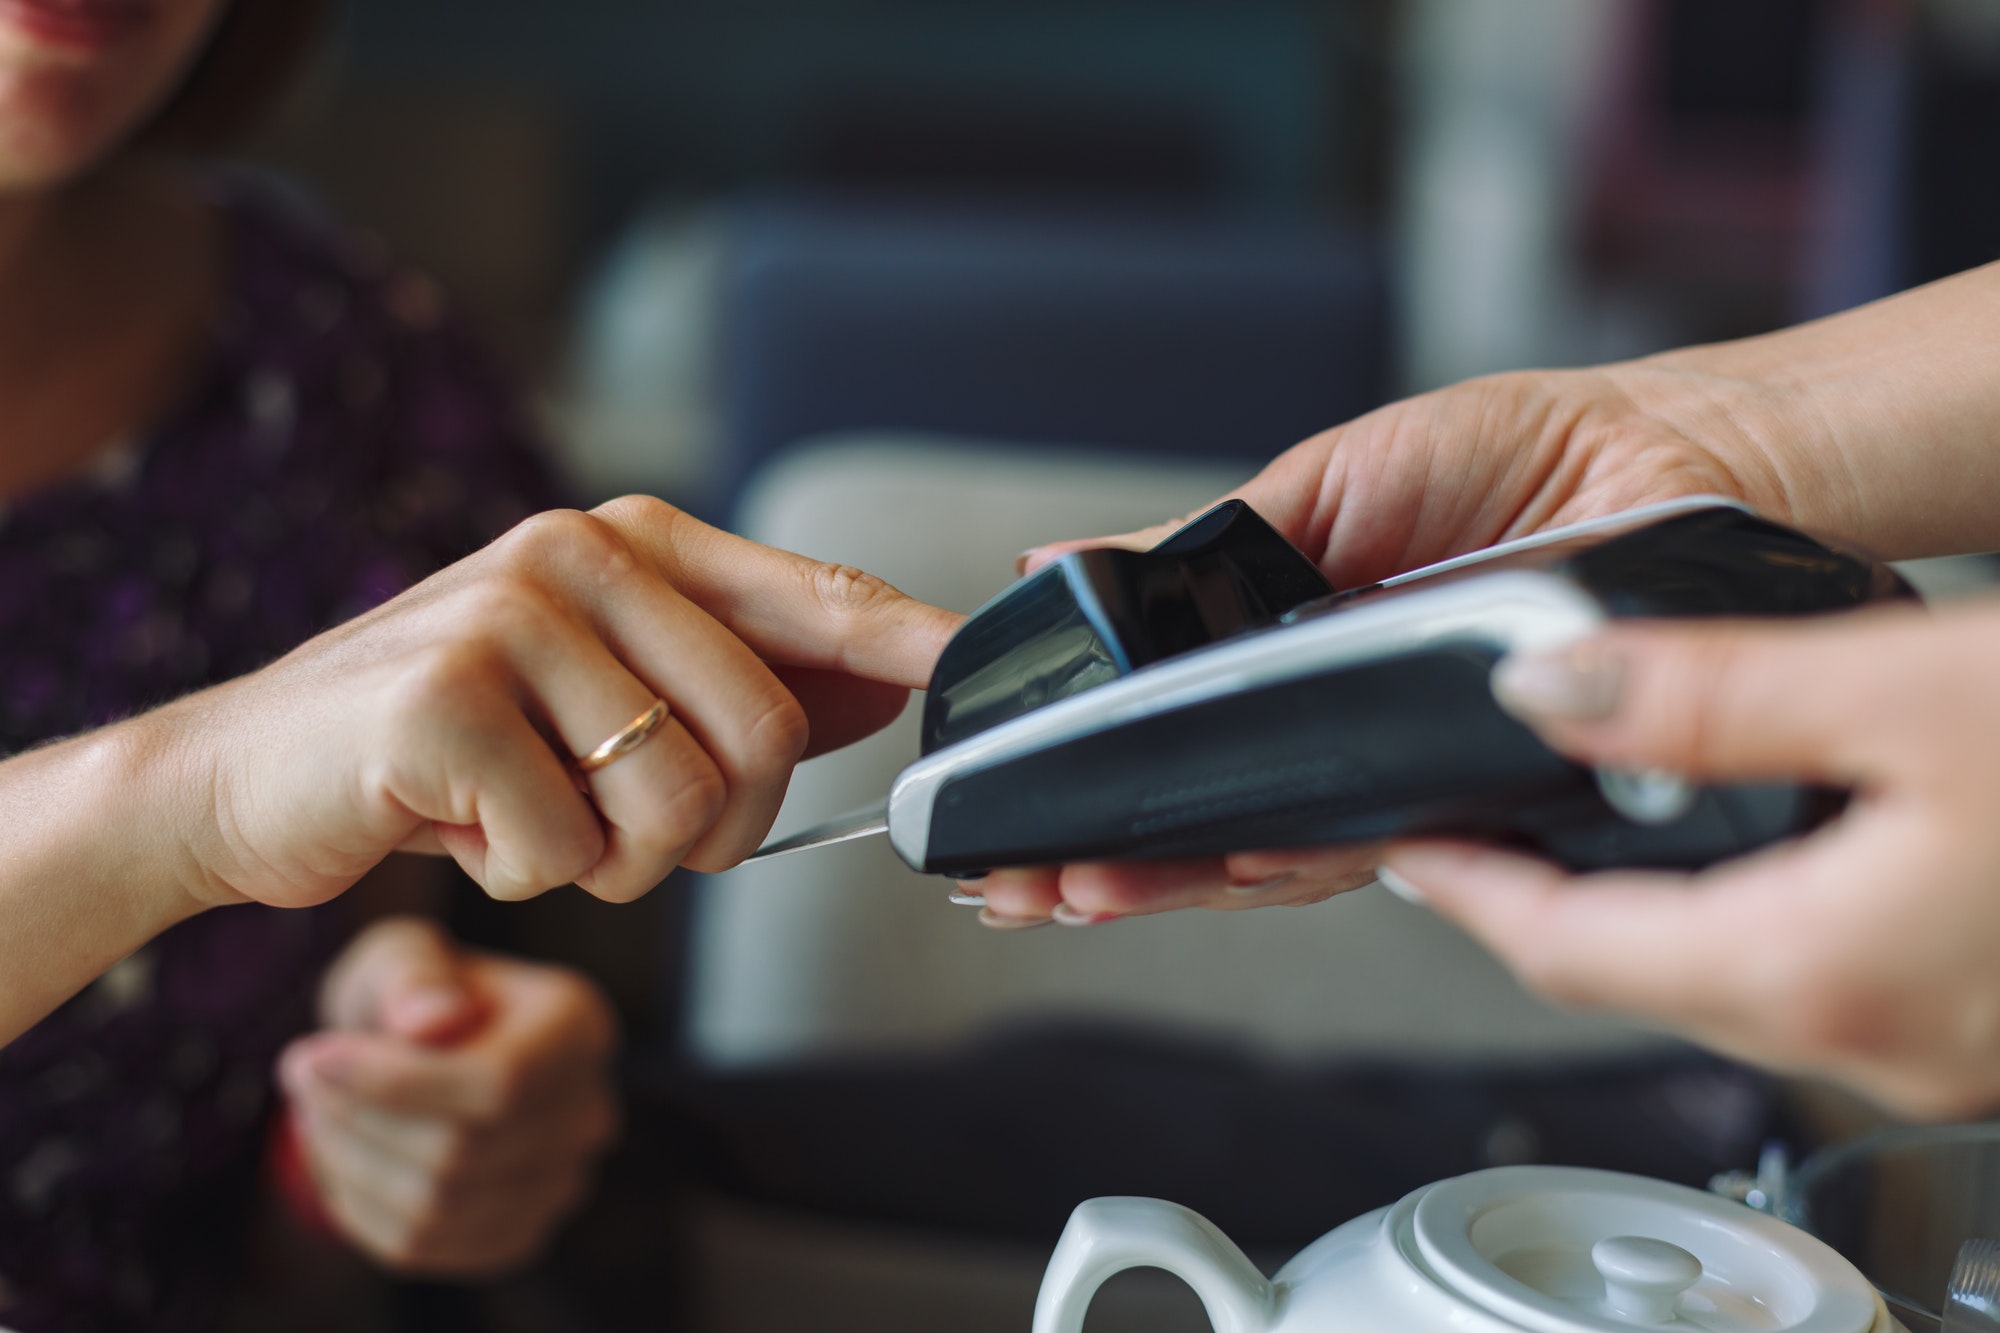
(1036, 558)
(403, 977)
(1714, 700)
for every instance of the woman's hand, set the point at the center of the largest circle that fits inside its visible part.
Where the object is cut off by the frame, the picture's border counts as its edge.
(1868, 951)
(454, 1107)
(447, 718)
(1446, 473)
(1491, 459)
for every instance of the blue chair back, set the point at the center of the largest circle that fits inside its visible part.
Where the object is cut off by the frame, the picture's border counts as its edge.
(1185, 337)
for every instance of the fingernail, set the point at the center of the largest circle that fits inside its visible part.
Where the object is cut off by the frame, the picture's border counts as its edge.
(960, 898)
(1262, 886)
(992, 920)
(1021, 560)
(1401, 887)
(1065, 915)
(1580, 683)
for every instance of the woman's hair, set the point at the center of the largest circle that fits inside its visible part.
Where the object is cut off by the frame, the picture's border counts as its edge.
(257, 49)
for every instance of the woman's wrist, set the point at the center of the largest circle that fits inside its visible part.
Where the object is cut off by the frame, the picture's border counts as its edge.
(1875, 424)
(93, 863)
(1768, 437)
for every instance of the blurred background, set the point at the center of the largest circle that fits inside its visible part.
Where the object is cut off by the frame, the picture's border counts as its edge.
(915, 284)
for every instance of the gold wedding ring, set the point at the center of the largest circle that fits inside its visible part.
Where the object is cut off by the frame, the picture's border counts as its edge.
(627, 739)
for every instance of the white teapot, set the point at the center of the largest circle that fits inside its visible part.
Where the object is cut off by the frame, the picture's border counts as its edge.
(1548, 1249)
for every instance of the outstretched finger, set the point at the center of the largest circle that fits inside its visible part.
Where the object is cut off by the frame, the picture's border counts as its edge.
(787, 607)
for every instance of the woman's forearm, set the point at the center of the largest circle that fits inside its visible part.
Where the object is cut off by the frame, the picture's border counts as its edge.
(91, 863)
(1893, 414)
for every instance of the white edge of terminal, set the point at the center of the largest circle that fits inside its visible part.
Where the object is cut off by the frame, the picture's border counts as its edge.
(1590, 527)
(1509, 610)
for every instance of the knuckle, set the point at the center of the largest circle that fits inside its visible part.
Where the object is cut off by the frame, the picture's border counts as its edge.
(544, 536)
(692, 808)
(637, 511)
(555, 857)
(777, 738)
(509, 610)
(573, 851)
(440, 681)
(583, 545)
(848, 593)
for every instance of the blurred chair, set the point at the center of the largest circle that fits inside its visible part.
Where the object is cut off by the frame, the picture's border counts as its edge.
(1171, 336)
(877, 1091)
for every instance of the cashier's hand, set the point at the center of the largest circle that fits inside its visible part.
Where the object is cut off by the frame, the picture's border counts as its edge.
(1868, 951)
(1449, 472)
(454, 1106)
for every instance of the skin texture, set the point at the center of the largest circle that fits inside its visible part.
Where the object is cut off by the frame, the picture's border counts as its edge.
(1433, 477)
(441, 721)
(1863, 951)
(455, 1104)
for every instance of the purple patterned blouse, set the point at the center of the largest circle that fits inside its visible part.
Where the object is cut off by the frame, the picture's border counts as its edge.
(344, 441)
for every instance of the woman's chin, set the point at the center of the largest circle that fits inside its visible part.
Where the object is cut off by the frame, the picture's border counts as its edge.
(56, 122)
(42, 161)
(77, 77)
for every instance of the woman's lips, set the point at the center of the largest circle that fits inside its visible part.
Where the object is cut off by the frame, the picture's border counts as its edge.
(78, 25)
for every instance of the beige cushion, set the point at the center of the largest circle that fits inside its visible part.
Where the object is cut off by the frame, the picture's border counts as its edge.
(844, 950)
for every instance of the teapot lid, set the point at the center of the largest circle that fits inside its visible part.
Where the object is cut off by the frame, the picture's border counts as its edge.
(1559, 1249)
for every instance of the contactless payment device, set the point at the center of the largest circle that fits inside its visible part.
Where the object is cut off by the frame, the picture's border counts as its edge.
(1216, 694)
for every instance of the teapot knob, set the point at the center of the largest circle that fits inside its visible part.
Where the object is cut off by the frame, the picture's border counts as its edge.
(1643, 1277)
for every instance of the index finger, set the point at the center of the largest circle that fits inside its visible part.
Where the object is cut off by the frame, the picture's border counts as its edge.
(787, 607)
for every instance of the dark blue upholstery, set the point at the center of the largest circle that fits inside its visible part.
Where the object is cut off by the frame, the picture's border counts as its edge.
(1182, 337)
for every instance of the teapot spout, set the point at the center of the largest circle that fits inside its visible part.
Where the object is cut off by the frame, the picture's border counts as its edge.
(1108, 1236)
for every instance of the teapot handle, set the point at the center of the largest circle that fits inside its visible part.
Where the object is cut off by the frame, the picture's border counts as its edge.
(1108, 1236)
